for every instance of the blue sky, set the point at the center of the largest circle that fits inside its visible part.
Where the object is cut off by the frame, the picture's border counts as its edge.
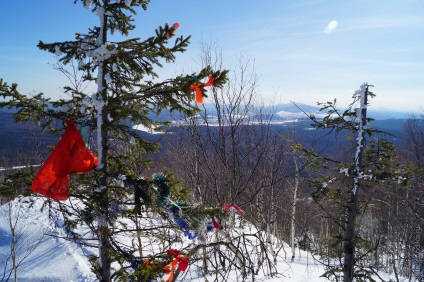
(305, 51)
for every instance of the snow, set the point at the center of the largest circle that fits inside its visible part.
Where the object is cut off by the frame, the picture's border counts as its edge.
(56, 259)
(102, 53)
(45, 256)
(16, 167)
(57, 50)
(362, 106)
(213, 121)
(144, 128)
(42, 255)
(299, 115)
(345, 171)
(88, 4)
(99, 103)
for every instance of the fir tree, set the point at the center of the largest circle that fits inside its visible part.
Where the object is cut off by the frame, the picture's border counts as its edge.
(127, 92)
(340, 189)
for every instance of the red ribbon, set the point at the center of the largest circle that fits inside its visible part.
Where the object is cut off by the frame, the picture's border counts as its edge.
(215, 224)
(199, 94)
(228, 206)
(181, 260)
(173, 252)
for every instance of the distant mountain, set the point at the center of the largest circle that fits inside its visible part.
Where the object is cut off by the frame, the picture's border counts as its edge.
(383, 114)
(293, 108)
(8, 111)
(375, 113)
(385, 119)
(394, 126)
(20, 141)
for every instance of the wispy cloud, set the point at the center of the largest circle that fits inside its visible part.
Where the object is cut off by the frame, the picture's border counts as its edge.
(367, 23)
(308, 4)
(302, 57)
(23, 59)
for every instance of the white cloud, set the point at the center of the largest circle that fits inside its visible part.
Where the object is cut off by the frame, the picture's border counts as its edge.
(332, 25)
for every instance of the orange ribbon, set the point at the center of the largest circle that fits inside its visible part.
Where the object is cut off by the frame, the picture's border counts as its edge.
(169, 269)
(136, 263)
(199, 94)
(181, 260)
(147, 263)
(171, 31)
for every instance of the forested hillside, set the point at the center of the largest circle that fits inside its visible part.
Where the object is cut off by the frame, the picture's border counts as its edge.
(19, 141)
(22, 144)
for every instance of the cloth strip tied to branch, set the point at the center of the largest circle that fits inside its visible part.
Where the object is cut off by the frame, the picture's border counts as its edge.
(179, 260)
(69, 155)
(171, 31)
(199, 94)
(227, 207)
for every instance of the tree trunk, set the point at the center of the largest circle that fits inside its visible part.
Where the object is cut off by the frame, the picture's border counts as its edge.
(104, 245)
(350, 232)
(14, 243)
(293, 211)
(105, 262)
(102, 129)
(350, 239)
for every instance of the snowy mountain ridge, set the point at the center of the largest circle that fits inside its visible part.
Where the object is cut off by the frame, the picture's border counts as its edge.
(289, 112)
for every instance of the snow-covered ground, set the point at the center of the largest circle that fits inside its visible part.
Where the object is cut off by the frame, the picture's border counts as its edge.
(41, 254)
(44, 256)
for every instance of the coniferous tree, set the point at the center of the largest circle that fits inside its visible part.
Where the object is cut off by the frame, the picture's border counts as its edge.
(345, 189)
(127, 92)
